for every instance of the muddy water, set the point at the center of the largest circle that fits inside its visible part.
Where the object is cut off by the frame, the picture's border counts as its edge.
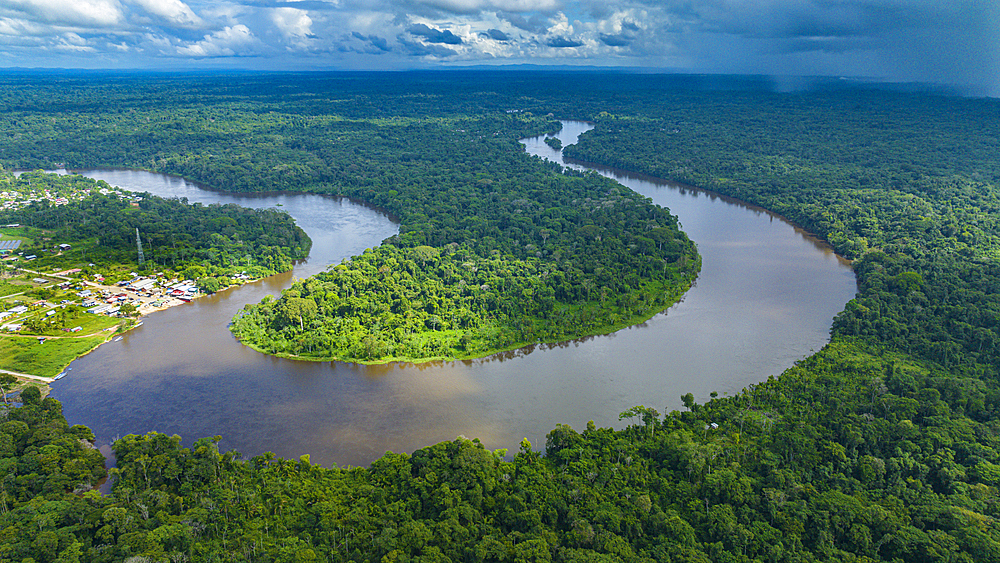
(765, 298)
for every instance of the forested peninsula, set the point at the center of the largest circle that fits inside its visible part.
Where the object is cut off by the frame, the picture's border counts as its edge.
(883, 446)
(485, 262)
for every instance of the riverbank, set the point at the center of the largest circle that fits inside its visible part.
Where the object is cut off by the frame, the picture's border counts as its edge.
(763, 300)
(675, 294)
(39, 359)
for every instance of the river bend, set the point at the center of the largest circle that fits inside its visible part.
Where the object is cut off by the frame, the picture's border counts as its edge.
(765, 298)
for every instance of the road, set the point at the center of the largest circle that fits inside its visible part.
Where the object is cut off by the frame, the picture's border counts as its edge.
(29, 376)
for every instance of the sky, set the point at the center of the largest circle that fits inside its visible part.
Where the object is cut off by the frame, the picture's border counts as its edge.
(953, 42)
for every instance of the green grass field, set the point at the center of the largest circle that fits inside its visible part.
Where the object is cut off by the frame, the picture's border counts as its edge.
(88, 323)
(11, 286)
(16, 234)
(26, 355)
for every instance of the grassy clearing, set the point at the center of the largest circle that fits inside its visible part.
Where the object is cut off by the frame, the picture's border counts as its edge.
(16, 234)
(26, 355)
(14, 285)
(88, 323)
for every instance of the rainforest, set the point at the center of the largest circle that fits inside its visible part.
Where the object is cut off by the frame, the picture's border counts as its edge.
(882, 446)
(208, 244)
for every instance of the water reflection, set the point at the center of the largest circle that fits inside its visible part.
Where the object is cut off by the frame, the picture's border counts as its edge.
(765, 298)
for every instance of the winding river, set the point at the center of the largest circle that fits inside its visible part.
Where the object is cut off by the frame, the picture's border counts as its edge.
(765, 298)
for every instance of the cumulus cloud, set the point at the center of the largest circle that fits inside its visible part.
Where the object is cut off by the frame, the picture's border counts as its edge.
(84, 13)
(12, 27)
(926, 40)
(619, 29)
(379, 43)
(171, 12)
(615, 40)
(237, 40)
(72, 42)
(418, 49)
(294, 24)
(563, 42)
(432, 35)
(496, 35)
(536, 23)
(474, 6)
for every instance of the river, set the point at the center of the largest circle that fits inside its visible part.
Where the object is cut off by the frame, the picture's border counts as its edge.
(765, 298)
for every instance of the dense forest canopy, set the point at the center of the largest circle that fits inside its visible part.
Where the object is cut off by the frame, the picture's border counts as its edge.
(210, 244)
(495, 251)
(880, 447)
(906, 185)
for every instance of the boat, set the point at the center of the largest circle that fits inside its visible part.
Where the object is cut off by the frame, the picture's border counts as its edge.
(117, 339)
(138, 324)
(60, 376)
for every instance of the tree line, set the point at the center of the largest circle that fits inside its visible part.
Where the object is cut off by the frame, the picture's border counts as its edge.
(580, 254)
(880, 447)
(207, 243)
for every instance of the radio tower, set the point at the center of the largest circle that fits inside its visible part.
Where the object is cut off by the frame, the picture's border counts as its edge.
(138, 244)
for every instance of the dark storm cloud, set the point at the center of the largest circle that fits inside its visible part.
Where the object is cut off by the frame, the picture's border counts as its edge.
(629, 31)
(952, 42)
(497, 35)
(615, 40)
(418, 49)
(563, 42)
(537, 23)
(948, 41)
(827, 18)
(374, 40)
(432, 35)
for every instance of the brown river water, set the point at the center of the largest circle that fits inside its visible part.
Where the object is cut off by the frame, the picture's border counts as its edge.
(765, 298)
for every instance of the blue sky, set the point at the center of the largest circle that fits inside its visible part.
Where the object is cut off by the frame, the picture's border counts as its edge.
(954, 42)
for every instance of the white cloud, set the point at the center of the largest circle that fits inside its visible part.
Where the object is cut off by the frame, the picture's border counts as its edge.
(224, 13)
(470, 6)
(903, 39)
(86, 13)
(561, 25)
(74, 39)
(228, 42)
(294, 24)
(19, 28)
(172, 12)
(158, 43)
(73, 43)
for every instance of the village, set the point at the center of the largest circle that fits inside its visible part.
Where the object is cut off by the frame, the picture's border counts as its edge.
(11, 198)
(135, 297)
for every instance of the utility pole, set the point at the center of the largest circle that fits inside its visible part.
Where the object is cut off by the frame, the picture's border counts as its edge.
(138, 244)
